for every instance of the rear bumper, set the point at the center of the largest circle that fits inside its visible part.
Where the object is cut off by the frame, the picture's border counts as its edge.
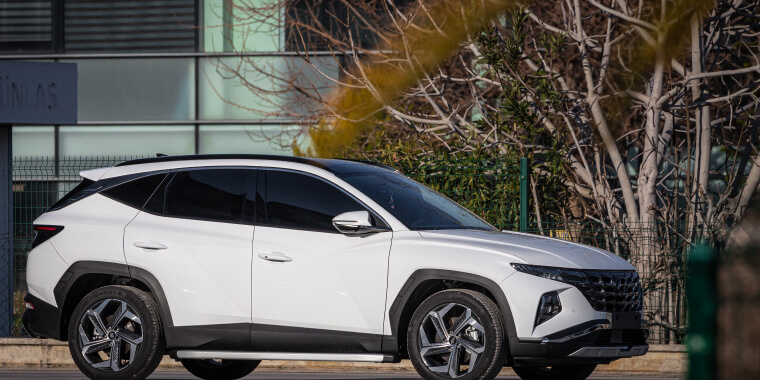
(590, 342)
(43, 321)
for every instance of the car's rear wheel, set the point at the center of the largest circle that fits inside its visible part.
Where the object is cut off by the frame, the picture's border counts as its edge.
(457, 334)
(115, 333)
(212, 369)
(566, 372)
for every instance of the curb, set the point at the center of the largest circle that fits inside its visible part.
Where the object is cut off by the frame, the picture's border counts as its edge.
(48, 353)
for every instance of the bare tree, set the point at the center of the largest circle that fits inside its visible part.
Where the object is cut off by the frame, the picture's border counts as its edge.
(648, 108)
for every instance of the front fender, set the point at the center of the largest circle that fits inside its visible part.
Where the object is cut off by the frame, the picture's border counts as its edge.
(414, 261)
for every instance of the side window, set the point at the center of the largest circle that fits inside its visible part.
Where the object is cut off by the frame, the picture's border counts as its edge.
(135, 192)
(303, 202)
(209, 194)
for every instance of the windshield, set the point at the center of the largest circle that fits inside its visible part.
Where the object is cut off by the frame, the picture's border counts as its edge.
(417, 206)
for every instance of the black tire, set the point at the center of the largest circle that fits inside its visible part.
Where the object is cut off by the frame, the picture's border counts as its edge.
(568, 372)
(486, 336)
(141, 321)
(220, 369)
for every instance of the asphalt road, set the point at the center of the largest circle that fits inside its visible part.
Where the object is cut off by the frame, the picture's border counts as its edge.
(65, 374)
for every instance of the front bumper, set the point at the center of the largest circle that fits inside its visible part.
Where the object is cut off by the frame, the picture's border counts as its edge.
(590, 342)
(42, 321)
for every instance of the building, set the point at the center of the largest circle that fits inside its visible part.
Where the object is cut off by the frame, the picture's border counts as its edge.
(150, 80)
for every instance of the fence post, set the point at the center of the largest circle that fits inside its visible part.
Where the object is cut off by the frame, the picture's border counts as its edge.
(6, 232)
(523, 194)
(700, 290)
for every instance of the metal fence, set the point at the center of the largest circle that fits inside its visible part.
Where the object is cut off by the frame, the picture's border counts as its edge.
(658, 252)
(38, 182)
(494, 189)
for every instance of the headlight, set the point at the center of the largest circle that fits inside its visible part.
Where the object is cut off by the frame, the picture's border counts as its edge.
(545, 272)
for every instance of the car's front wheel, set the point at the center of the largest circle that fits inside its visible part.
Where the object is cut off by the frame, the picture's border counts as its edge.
(457, 334)
(212, 369)
(115, 334)
(566, 372)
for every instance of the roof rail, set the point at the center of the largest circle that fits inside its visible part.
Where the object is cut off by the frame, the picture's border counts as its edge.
(331, 165)
(196, 157)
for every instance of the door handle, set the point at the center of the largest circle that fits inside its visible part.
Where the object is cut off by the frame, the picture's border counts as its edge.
(149, 245)
(276, 257)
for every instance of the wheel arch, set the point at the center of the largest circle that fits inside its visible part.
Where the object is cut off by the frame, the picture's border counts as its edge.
(83, 277)
(425, 282)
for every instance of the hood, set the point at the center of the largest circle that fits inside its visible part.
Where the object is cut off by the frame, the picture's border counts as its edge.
(534, 249)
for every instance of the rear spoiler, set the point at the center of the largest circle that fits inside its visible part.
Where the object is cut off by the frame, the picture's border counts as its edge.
(94, 174)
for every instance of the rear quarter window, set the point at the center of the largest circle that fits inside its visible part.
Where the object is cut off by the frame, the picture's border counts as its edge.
(135, 192)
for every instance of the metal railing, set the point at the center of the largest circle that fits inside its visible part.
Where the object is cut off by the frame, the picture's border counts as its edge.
(38, 182)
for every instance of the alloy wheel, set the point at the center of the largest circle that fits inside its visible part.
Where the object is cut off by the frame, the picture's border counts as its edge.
(110, 334)
(452, 340)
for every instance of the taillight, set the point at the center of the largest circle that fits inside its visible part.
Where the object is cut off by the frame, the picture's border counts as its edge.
(43, 233)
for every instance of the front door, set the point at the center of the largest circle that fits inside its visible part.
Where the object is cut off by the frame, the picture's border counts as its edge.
(312, 284)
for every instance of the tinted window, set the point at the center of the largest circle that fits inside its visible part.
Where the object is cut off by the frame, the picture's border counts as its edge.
(417, 206)
(74, 195)
(156, 203)
(303, 202)
(216, 194)
(136, 192)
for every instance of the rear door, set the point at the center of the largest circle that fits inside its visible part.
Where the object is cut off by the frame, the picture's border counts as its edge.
(192, 236)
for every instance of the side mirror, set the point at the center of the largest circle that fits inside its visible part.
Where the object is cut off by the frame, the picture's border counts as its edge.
(355, 223)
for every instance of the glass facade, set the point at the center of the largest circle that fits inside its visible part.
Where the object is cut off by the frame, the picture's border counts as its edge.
(136, 89)
(33, 141)
(165, 76)
(129, 26)
(259, 87)
(26, 25)
(228, 27)
(126, 140)
(268, 139)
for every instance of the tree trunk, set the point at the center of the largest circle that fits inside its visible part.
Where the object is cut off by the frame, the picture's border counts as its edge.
(703, 122)
(647, 191)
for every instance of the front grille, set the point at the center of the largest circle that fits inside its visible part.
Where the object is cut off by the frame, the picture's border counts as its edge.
(608, 291)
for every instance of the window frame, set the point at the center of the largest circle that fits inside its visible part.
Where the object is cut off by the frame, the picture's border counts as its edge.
(261, 184)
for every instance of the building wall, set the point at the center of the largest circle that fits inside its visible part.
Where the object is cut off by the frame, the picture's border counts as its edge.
(154, 75)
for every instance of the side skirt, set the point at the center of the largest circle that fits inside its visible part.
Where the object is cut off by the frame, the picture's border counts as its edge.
(271, 338)
(239, 355)
(246, 337)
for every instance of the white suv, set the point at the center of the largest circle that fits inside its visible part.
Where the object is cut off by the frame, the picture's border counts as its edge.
(222, 261)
